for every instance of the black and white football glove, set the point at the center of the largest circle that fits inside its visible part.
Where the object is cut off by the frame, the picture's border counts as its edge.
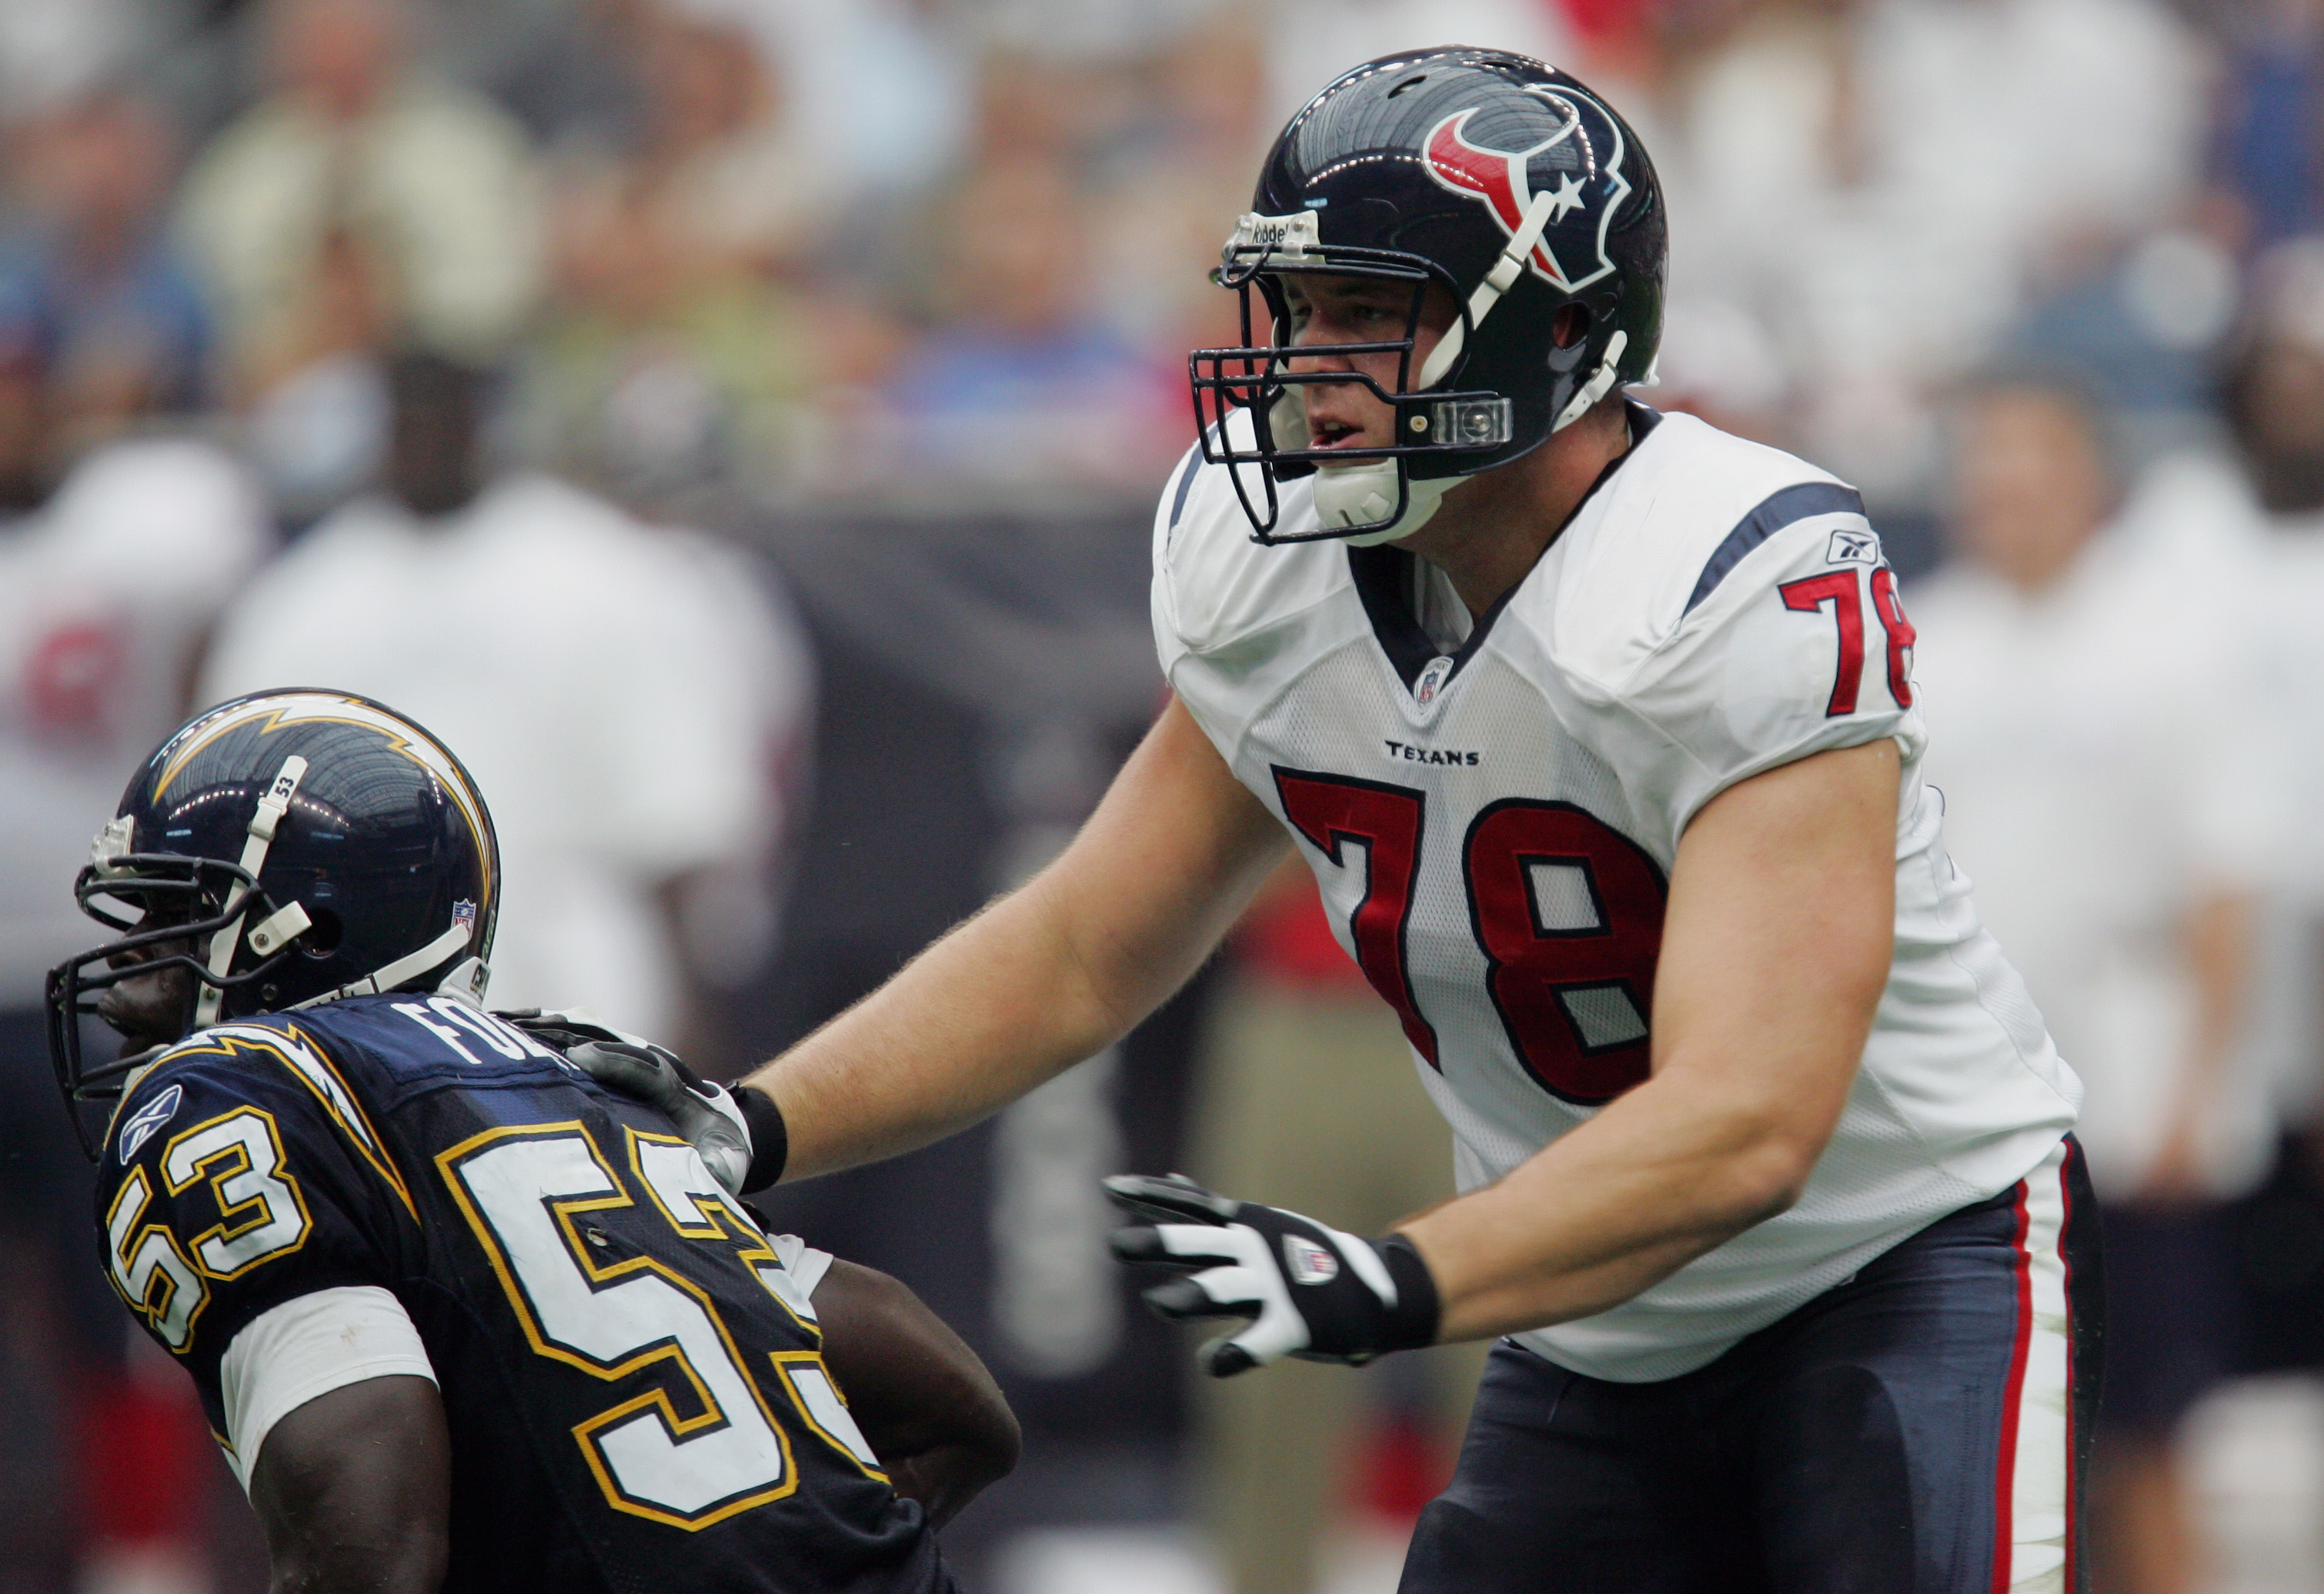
(1311, 1291)
(738, 1134)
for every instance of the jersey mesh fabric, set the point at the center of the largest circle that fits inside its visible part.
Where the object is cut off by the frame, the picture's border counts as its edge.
(1619, 690)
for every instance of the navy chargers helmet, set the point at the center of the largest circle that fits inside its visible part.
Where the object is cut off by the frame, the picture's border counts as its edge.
(1497, 178)
(284, 849)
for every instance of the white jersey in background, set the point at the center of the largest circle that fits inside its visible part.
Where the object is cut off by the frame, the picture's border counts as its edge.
(2102, 749)
(1492, 813)
(104, 594)
(620, 692)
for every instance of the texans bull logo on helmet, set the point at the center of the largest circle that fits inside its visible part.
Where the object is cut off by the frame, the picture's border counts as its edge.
(1502, 180)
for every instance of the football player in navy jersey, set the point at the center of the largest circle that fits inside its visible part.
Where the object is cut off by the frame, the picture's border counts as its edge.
(462, 1317)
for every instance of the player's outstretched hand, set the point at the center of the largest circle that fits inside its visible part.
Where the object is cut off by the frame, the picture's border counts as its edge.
(739, 1134)
(1310, 1291)
(704, 1113)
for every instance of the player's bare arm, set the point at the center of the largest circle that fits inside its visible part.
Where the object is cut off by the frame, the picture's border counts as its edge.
(1066, 965)
(1775, 948)
(1044, 977)
(926, 1406)
(1774, 953)
(355, 1491)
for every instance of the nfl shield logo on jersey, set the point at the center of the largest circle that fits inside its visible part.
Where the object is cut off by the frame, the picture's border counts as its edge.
(1309, 1263)
(1432, 680)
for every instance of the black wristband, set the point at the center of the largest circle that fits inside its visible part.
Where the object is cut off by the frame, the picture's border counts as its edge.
(770, 1147)
(1412, 1322)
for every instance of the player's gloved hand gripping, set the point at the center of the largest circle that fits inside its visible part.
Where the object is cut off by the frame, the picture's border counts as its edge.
(1311, 1291)
(738, 1134)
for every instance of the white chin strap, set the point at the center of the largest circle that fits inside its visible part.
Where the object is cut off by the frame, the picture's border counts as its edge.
(1600, 383)
(465, 979)
(261, 836)
(1359, 495)
(1498, 280)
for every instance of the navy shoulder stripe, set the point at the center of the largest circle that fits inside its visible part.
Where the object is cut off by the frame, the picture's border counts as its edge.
(1187, 474)
(1777, 511)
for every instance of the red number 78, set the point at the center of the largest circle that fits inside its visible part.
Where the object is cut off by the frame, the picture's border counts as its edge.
(1840, 589)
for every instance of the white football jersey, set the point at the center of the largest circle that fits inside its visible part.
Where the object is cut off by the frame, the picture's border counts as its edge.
(1492, 822)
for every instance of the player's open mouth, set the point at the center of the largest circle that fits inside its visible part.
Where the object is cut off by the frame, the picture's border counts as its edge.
(1331, 434)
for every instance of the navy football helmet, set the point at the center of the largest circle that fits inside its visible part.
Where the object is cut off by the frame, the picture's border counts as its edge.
(1491, 175)
(285, 849)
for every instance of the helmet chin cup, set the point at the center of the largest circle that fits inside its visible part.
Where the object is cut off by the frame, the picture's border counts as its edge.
(1365, 495)
(1286, 419)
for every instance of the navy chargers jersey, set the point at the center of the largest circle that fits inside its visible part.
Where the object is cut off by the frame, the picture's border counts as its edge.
(633, 1384)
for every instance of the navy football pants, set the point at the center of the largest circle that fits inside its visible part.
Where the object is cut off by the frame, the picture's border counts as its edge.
(1917, 1430)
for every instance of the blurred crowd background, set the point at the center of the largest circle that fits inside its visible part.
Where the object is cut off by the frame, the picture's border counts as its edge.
(731, 425)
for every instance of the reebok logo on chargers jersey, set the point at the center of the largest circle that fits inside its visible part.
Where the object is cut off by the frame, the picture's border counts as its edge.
(1853, 547)
(142, 1123)
(1426, 755)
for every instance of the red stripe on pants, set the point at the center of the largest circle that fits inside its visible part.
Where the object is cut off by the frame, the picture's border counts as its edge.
(2005, 1484)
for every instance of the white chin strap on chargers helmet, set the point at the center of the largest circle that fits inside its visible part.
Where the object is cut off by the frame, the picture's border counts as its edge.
(1358, 494)
(278, 927)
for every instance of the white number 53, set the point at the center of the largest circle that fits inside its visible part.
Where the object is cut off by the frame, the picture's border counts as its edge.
(527, 1192)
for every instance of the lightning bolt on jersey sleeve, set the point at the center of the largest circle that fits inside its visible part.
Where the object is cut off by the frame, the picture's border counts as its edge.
(1492, 817)
(231, 1189)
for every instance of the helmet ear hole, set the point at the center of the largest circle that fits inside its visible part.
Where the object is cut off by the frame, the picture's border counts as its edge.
(324, 931)
(1570, 325)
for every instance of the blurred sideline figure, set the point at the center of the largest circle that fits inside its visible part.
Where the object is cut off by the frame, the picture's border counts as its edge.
(1309, 1099)
(2272, 396)
(2091, 691)
(110, 571)
(625, 692)
(2274, 403)
(1022, 384)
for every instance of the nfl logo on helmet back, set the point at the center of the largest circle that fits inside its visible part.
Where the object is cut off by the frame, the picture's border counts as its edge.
(1496, 179)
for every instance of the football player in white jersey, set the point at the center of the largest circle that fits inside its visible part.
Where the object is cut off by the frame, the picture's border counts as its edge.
(1597, 728)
